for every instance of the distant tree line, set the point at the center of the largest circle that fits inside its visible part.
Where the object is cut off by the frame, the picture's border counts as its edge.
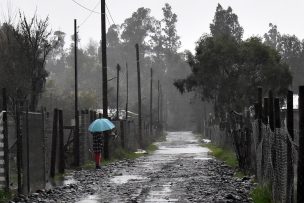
(159, 50)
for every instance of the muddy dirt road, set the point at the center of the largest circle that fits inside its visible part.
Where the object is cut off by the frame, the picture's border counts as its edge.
(179, 171)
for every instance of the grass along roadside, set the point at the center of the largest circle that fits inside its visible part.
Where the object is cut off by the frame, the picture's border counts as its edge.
(261, 194)
(226, 155)
(5, 196)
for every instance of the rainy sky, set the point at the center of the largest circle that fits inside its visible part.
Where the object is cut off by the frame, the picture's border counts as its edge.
(194, 16)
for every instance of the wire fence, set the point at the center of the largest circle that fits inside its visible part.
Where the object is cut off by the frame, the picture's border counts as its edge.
(267, 146)
(35, 146)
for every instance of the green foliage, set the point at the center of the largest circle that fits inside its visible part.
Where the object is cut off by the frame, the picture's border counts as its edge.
(151, 148)
(22, 58)
(225, 23)
(226, 71)
(5, 196)
(226, 155)
(262, 194)
(291, 50)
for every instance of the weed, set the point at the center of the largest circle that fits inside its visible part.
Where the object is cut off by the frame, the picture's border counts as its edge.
(261, 194)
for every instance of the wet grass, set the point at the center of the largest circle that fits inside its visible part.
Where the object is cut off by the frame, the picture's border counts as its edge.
(5, 196)
(162, 137)
(226, 155)
(151, 148)
(261, 194)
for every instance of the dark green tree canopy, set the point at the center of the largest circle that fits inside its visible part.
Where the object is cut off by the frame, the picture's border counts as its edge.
(24, 51)
(227, 71)
(225, 23)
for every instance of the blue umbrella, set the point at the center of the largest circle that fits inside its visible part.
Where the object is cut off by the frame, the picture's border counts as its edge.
(100, 125)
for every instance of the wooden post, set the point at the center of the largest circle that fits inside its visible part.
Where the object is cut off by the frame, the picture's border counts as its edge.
(158, 101)
(256, 110)
(300, 184)
(95, 115)
(5, 140)
(19, 149)
(271, 111)
(290, 126)
(277, 113)
(259, 113)
(54, 143)
(27, 148)
(61, 166)
(127, 81)
(117, 94)
(122, 134)
(139, 98)
(151, 102)
(76, 132)
(161, 108)
(91, 116)
(265, 112)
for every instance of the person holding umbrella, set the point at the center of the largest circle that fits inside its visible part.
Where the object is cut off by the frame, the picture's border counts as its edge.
(97, 128)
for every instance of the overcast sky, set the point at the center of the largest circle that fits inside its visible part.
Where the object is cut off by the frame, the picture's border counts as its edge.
(194, 16)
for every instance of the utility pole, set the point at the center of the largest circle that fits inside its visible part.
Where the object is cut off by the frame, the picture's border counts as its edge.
(104, 60)
(76, 132)
(127, 75)
(117, 110)
(158, 94)
(161, 107)
(151, 100)
(139, 97)
(104, 74)
(5, 140)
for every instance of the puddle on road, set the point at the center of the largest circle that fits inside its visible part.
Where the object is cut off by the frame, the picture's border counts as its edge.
(90, 199)
(67, 180)
(206, 141)
(125, 178)
(202, 158)
(190, 149)
(161, 195)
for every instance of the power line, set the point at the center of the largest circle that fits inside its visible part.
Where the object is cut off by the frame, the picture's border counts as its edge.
(98, 2)
(110, 13)
(85, 7)
(108, 20)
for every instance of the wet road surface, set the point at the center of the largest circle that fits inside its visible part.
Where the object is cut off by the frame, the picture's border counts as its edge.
(179, 171)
